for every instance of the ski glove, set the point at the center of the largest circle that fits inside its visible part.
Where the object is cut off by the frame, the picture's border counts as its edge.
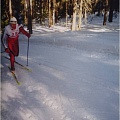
(7, 50)
(24, 32)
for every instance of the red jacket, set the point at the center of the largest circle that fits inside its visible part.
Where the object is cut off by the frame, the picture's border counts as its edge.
(10, 38)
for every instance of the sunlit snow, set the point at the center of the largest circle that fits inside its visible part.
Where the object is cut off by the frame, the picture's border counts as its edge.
(75, 75)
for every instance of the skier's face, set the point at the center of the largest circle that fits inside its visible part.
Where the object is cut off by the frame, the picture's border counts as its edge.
(13, 26)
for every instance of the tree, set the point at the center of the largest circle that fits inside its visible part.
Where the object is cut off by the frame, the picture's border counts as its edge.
(99, 7)
(25, 11)
(70, 8)
(74, 15)
(54, 10)
(111, 11)
(54, 3)
(66, 11)
(10, 8)
(29, 16)
(4, 13)
(105, 12)
(49, 13)
(80, 2)
(114, 6)
(85, 7)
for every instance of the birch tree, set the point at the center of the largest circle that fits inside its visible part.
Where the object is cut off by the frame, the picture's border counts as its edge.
(54, 3)
(74, 15)
(85, 6)
(80, 14)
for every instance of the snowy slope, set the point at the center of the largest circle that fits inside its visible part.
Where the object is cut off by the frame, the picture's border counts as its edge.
(75, 75)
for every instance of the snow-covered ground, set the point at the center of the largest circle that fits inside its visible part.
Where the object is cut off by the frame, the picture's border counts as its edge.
(75, 75)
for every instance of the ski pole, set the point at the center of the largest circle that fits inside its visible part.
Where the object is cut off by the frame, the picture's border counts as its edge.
(27, 51)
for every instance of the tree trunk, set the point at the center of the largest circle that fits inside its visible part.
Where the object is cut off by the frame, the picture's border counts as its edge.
(54, 2)
(56, 15)
(105, 18)
(74, 16)
(111, 11)
(41, 11)
(80, 14)
(66, 11)
(49, 13)
(110, 16)
(25, 12)
(85, 15)
(105, 13)
(29, 17)
(10, 8)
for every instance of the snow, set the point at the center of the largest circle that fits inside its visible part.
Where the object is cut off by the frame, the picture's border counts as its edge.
(75, 75)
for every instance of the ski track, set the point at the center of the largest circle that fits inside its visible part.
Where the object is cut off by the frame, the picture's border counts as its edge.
(75, 80)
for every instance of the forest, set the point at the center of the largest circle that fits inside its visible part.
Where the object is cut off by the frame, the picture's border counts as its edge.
(69, 68)
(50, 12)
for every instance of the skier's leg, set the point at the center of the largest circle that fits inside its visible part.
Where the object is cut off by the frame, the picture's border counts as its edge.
(12, 60)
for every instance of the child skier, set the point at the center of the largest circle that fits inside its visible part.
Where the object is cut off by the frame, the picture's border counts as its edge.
(10, 40)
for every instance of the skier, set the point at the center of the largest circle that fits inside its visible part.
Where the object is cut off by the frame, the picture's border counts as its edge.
(10, 40)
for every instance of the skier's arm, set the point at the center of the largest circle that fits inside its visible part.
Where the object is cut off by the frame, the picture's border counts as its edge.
(23, 31)
(4, 39)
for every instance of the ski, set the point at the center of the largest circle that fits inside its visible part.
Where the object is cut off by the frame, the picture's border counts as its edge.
(23, 67)
(14, 76)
